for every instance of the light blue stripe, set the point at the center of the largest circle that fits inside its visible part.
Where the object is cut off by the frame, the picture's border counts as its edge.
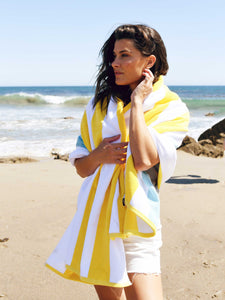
(153, 197)
(80, 142)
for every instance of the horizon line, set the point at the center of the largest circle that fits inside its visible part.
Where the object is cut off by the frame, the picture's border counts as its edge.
(83, 85)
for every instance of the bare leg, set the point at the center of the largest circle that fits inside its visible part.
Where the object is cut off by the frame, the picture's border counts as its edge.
(110, 293)
(144, 287)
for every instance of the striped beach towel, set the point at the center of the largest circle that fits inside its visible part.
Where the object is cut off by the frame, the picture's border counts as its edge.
(115, 201)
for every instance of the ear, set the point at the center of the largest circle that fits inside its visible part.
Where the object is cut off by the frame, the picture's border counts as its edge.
(151, 61)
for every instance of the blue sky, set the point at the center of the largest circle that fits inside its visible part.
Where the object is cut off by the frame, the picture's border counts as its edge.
(52, 42)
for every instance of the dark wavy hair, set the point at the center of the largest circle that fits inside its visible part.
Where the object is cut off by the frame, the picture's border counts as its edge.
(148, 41)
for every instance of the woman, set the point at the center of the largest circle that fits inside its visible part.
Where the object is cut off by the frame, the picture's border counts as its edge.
(127, 148)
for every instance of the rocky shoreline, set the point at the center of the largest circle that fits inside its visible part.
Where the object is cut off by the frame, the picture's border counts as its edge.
(211, 143)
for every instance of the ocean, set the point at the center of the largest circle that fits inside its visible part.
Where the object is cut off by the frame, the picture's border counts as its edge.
(36, 120)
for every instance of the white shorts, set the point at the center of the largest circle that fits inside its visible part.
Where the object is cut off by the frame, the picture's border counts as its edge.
(143, 254)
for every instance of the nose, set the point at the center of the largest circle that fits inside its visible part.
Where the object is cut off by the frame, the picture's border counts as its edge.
(115, 62)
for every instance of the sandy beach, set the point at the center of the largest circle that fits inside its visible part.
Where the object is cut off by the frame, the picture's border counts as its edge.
(38, 201)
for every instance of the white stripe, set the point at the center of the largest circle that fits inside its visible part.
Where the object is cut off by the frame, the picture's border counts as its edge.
(79, 152)
(114, 220)
(175, 109)
(81, 205)
(154, 97)
(167, 153)
(58, 258)
(176, 137)
(143, 207)
(104, 180)
(64, 251)
(110, 125)
(117, 262)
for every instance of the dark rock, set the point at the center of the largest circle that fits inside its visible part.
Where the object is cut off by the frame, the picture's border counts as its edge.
(4, 240)
(68, 118)
(210, 114)
(210, 143)
(212, 151)
(220, 141)
(57, 155)
(190, 145)
(203, 147)
(214, 132)
(187, 140)
(15, 160)
(205, 142)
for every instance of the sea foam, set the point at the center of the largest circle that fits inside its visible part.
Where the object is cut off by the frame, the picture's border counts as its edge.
(38, 99)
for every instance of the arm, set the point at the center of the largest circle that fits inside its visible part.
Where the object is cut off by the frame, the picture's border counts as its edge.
(106, 153)
(143, 149)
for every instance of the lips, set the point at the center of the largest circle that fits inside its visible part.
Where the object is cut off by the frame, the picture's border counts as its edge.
(117, 73)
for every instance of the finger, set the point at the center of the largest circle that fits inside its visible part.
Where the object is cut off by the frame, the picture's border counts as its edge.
(120, 162)
(119, 154)
(123, 159)
(148, 73)
(112, 138)
(120, 145)
(120, 151)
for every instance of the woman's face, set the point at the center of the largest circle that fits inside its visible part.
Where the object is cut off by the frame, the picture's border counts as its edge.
(128, 64)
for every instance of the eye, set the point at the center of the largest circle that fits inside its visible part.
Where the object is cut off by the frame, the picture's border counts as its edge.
(113, 57)
(124, 55)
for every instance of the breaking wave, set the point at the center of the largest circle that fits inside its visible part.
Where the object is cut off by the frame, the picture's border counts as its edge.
(40, 99)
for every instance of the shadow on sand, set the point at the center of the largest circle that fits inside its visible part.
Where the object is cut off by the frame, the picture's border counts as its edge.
(190, 179)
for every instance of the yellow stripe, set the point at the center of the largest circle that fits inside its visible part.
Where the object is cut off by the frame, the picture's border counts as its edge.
(96, 124)
(101, 247)
(127, 107)
(124, 108)
(67, 274)
(100, 262)
(129, 229)
(121, 121)
(85, 132)
(131, 185)
(121, 208)
(153, 114)
(114, 235)
(159, 179)
(72, 276)
(143, 217)
(75, 263)
(157, 85)
(178, 124)
(170, 96)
